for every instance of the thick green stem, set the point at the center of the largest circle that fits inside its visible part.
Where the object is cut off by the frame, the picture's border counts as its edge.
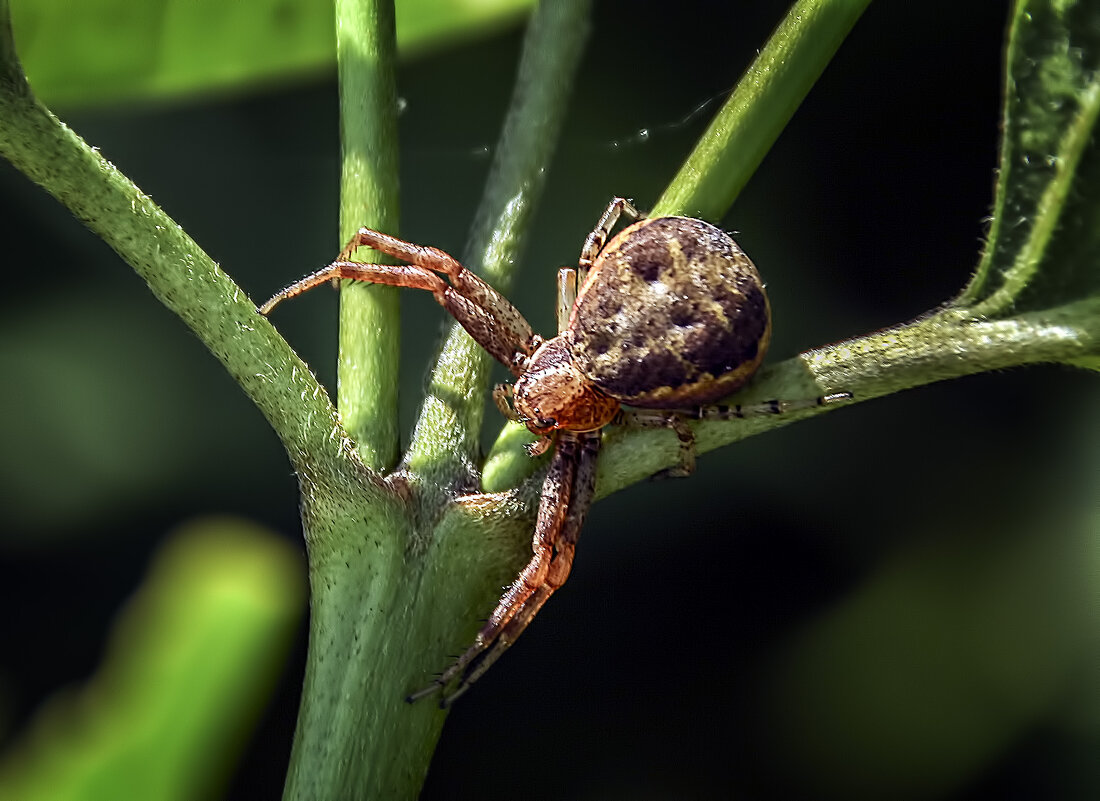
(369, 314)
(380, 623)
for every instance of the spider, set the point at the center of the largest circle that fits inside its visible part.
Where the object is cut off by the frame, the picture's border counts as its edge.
(668, 316)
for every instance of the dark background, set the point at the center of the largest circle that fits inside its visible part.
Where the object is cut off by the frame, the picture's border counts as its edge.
(703, 647)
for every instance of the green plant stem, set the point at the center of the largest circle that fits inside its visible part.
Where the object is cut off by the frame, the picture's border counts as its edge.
(382, 618)
(923, 352)
(398, 584)
(370, 330)
(946, 345)
(445, 442)
(176, 269)
(366, 51)
(759, 108)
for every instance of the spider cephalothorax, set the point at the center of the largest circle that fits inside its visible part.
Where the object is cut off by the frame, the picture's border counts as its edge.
(670, 315)
(554, 393)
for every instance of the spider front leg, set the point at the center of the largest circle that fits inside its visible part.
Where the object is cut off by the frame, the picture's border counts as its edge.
(502, 397)
(567, 494)
(486, 315)
(677, 421)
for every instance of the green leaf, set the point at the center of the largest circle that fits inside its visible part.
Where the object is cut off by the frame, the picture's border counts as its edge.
(1044, 244)
(106, 51)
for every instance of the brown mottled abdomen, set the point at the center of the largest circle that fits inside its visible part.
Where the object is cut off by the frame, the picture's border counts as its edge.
(673, 315)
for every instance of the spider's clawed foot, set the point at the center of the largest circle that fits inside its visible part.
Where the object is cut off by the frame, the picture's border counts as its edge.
(433, 688)
(471, 665)
(445, 699)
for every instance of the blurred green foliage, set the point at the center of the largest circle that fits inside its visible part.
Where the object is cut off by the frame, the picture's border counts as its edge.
(108, 51)
(189, 665)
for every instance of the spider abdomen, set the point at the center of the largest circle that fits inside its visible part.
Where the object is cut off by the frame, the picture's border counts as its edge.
(673, 314)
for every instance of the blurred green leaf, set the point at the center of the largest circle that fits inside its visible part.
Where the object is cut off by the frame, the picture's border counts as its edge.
(1044, 244)
(963, 643)
(950, 652)
(99, 429)
(104, 51)
(189, 664)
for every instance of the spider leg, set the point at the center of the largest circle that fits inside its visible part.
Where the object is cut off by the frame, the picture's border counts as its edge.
(639, 418)
(468, 284)
(390, 274)
(567, 493)
(569, 522)
(595, 241)
(567, 295)
(485, 314)
(502, 397)
(539, 446)
(676, 420)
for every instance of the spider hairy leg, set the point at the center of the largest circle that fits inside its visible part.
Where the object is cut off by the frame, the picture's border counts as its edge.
(676, 420)
(567, 494)
(539, 446)
(390, 274)
(486, 315)
(567, 295)
(584, 491)
(505, 317)
(595, 241)
(502, 397)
